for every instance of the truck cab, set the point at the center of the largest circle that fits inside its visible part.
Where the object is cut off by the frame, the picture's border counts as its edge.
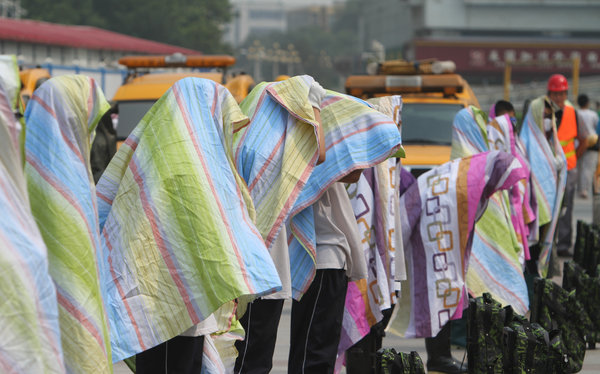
(431, 97)
(30, 80)
(149, 77)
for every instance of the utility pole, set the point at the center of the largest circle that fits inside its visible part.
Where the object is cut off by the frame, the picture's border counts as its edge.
(256, 53)
(507, 73)
(576, 63)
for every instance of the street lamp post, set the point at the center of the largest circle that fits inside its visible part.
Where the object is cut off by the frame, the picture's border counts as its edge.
(275, 58)
(292, 58)
(256, 53)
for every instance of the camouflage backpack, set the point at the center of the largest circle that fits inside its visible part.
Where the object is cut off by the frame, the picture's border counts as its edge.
(391, 362)
(556, 308)
(580, 239)
(587, 292)
(485, 324)
(587, 247)
(527, 348)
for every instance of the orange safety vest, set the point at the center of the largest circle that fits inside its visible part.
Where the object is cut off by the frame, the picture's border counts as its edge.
(567, 132)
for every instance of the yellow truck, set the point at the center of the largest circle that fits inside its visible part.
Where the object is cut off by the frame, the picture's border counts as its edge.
(150, 77)
(30, 80)
(431, 96)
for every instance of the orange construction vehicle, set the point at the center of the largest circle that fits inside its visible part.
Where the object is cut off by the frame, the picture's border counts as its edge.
(151, 76)
(431, 94)
(30, 80)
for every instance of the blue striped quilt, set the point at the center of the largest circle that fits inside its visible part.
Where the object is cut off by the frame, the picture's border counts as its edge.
(29, 329)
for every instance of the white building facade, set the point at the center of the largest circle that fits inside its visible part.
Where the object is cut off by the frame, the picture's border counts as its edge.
(255, 18)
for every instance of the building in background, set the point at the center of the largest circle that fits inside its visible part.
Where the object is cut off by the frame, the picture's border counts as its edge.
(314, 16)
(505, 18)
(537, 37)
(36, 43)
(484, 59)
(254, 17)
(389, 22)
(66, 49)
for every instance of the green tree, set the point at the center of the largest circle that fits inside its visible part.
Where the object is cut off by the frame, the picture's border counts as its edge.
(69, 12)
(194, 24)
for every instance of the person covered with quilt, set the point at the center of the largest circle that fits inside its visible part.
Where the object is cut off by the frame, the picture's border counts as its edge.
(165, 240)
(500, 241)
(29, 333)
(60, 120)
(501, 237)
(440, 210)
(549, 170)
(308, 238)
(375, 203)
(574, 137)
(317, 316)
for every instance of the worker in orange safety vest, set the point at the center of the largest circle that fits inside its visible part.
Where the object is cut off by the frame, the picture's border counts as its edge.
(575, 138)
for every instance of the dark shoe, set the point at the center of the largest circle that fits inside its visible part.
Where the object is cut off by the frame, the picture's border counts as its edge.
(446, 365)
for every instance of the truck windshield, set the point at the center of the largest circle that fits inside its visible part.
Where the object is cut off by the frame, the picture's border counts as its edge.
(130, 114)
(428, 123)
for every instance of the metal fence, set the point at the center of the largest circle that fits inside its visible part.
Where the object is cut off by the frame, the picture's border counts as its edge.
(108, 79)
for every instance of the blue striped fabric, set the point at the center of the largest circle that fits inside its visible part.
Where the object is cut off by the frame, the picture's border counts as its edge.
(497, 255)
(29, 330)
(548, 176)
(61, 117)
(178, 237)
(356, 137)
(176, 241)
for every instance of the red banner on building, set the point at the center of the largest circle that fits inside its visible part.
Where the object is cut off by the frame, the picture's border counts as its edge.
(491, 56)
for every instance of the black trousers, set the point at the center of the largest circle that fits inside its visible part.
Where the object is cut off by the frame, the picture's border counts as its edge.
(316, 323)
(179, 355)
(564, 226)
(255, 353)
(439, 346)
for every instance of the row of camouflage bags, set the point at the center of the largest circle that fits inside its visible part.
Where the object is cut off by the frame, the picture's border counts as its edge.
(563, 320)
(502, 341)
(582, 275)
(554, 341)
(391, 362)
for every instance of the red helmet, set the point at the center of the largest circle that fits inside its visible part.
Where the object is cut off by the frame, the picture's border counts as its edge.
(558, 83)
